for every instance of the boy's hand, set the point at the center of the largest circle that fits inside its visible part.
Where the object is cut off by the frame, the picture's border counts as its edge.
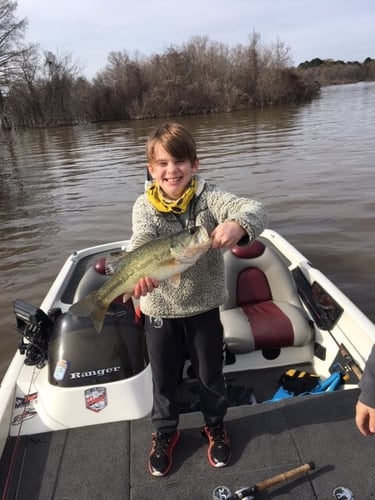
(144, 286)
(227, 234)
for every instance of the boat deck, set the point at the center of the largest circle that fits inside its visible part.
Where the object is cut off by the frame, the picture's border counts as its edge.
(109, 462)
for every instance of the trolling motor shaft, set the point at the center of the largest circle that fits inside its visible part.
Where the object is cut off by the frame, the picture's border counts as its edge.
(223, 493)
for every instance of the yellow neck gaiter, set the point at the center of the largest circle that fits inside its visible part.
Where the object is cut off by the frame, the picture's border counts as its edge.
(156, 198)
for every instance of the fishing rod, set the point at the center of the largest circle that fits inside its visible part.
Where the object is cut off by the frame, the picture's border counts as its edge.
(249, 492)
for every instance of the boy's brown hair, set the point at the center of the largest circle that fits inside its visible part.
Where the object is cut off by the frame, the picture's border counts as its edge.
(175, 139)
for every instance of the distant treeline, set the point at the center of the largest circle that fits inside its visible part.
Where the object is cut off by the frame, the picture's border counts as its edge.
(330, 72)
(42, 89)
(197, 78)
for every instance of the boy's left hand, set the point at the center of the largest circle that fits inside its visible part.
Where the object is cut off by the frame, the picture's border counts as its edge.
(227, 234)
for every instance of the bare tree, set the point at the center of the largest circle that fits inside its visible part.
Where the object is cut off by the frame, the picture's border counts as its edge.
(118, 89)
(59, 75)
(23, 100)
(11, 34)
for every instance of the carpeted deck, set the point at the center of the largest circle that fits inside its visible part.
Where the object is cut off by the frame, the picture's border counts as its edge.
(109, 462)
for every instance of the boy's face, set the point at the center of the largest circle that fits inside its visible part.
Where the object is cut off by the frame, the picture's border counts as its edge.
(173, 176)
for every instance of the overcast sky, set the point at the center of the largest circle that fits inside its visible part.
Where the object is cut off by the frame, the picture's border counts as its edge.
(91, 29)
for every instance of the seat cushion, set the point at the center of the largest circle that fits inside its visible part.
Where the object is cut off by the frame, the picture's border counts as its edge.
(264, 325)
(270, 326)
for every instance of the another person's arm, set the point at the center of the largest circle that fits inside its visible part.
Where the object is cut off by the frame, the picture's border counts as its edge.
(365, 408)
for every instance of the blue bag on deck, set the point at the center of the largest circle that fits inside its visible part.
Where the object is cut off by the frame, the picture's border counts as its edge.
(328, 385)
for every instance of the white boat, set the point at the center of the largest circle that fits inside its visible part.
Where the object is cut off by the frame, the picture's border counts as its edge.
(284, 319)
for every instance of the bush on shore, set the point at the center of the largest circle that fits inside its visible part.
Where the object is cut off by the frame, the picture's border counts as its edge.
(199, 77)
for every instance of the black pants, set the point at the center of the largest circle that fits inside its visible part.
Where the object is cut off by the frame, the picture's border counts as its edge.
(167, 340)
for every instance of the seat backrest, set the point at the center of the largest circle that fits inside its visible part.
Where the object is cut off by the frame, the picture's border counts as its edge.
(94, 278)
(263, 310)
(252, 287)
(90, 281)
(257, 273)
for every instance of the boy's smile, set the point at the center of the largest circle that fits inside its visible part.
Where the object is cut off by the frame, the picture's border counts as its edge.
(172, 175)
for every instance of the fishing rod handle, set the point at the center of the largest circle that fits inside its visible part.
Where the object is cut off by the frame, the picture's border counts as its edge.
(352, 365)
(284, 476)
(248, 493)
(356, 370)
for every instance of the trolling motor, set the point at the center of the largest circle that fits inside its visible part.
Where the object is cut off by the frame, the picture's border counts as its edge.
(35, 326)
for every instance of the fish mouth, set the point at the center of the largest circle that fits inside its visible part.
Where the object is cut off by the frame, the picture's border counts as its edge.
(199, 231)
(201, 236)
(190, 248)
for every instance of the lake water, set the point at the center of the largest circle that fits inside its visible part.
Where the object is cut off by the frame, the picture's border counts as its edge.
(313, 166)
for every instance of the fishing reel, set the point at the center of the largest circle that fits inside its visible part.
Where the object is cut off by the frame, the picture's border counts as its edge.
(224, 493)
(35, 326)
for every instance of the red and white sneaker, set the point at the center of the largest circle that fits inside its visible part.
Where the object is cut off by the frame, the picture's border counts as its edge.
(219, 450)
(160, 461)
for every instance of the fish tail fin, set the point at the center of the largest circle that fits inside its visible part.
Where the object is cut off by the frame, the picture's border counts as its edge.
(97, 316)
(92, 307)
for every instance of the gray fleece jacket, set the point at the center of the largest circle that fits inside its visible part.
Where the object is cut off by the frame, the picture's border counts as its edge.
(202, 286)
(367, 382)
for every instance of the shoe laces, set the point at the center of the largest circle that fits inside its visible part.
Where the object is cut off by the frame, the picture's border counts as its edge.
(217, 434)
(161, 441)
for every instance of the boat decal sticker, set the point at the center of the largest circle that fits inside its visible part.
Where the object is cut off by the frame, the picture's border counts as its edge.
(96, 398)
(26, 400)
(25, 404)
(25, 415)
(342, 493)
(60, 370)
(95, 373)
(221, 493)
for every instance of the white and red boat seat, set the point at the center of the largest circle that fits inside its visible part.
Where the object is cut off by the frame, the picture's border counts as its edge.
(263, 310)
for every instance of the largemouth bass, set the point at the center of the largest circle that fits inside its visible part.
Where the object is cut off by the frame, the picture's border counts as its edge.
(161, 259)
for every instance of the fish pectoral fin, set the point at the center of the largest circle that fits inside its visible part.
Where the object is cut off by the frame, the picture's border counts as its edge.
(175, 280)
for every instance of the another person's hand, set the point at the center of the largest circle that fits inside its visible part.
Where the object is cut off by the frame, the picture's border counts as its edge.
(144, 286)
(365, 419)
(227, 234)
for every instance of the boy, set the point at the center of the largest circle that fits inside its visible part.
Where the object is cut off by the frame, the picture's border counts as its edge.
(188, 315)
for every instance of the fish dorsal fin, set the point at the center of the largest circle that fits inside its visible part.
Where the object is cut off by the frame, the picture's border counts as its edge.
(112, 261)
(175, 280)
(144, 238)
